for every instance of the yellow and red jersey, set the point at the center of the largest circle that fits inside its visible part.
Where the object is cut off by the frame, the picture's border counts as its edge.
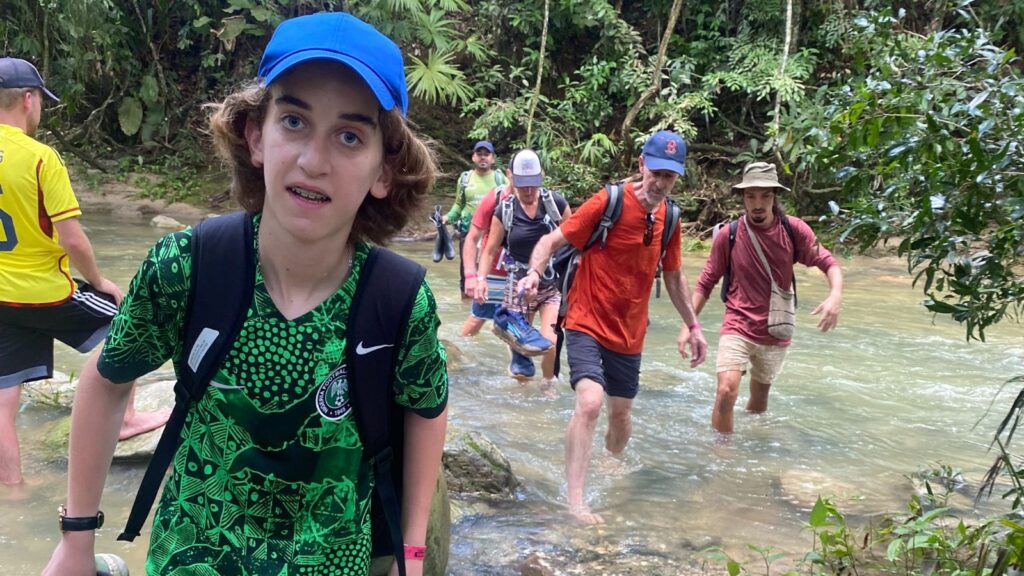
(35, 193)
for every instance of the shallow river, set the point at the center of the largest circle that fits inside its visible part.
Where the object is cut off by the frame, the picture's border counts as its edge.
(890, 392)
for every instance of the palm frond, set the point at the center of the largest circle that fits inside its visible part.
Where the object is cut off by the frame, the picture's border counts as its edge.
(437, 80)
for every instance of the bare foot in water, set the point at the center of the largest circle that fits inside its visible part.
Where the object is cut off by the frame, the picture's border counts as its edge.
(18, 492)
(136, 423)
(584, 515)
(547, 387)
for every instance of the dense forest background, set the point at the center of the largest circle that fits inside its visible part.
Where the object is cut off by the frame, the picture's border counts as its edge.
(887, 118)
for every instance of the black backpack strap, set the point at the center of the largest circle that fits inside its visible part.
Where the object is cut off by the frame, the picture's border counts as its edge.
(792, 240)
(611, 214)
(727, 277)
(223, 272)
(612, 211)
(377, 319)
(672, 215)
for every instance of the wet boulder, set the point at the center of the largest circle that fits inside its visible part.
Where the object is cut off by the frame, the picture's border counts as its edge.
(161, 221)
(475, 466)
(439, 536)
(137, 449)
(56, 392)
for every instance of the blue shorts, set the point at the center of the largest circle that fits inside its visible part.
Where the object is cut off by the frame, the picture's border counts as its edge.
(618, 374)
(495, 294)
(484, 311)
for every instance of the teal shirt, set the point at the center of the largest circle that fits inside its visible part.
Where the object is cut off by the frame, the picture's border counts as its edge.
(266, 480)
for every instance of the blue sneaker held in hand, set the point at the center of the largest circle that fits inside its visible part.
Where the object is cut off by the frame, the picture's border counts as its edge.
(518, 333)
(521, 367)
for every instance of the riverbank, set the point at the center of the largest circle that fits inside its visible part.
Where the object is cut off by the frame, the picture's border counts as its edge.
(124, 199)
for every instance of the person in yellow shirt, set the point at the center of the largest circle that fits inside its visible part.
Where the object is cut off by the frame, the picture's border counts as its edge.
(39, 237)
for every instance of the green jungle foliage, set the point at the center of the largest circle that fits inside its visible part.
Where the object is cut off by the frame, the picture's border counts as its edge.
(901, 115)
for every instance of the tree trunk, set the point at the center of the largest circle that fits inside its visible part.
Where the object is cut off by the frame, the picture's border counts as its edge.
(782, 66)
(659, 62)
(540, 74)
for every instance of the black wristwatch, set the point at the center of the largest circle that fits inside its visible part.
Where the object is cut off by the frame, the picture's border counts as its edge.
(68, 524)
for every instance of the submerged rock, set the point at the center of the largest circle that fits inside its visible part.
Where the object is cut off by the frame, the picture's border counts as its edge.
(56, 392)
(439, 536)
(161, 221)
(137, 449)
(535, 565)
(454, 353)
(475, 466)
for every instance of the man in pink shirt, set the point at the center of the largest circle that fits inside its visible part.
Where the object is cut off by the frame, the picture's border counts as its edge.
(745, 340)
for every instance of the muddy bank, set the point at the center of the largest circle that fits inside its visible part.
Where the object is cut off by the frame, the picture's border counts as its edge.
(125, 200)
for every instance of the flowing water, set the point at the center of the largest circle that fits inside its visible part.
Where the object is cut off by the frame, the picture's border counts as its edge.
(892, 391)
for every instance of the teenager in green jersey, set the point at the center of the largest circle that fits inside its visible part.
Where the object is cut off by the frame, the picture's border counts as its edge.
(268, 478)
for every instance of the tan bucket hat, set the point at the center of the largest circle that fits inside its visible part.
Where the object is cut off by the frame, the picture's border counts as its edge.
(761, 175)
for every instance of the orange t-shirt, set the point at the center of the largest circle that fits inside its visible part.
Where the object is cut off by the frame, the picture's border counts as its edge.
(609, 297)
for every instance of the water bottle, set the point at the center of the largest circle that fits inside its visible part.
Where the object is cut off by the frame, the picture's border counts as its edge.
(110, 565)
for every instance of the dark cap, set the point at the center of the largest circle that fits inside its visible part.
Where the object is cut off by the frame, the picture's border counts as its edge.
(17, 73)
(665, 150)
(339, 37)
(485, 145)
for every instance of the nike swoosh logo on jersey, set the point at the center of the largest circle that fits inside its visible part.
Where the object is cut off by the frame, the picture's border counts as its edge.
(216, 384)
(361, 350)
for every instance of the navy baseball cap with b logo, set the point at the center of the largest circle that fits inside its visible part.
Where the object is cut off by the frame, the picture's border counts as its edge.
(343, 38)
(17, 73)
(665, 150)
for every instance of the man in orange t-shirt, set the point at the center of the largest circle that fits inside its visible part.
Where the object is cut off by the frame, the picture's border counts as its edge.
(607, 315)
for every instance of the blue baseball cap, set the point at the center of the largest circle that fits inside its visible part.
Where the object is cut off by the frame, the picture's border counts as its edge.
(485, 145)
(665, 150)
(18, 73)
(343, 38)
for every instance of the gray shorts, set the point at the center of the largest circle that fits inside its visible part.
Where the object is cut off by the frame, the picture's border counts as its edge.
(618, 374)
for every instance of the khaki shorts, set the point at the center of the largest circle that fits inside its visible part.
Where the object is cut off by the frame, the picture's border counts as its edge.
(735, 353)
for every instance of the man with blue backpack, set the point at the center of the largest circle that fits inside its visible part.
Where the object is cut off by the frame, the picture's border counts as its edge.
(606, 318)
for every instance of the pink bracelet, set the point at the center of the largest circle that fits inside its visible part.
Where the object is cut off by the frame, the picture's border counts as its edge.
(693, 326)
(415, 552)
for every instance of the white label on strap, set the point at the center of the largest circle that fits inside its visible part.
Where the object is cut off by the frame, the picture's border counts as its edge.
(206, 339)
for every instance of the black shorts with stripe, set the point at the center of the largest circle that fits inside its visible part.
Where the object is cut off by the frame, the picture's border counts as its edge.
(27, 333)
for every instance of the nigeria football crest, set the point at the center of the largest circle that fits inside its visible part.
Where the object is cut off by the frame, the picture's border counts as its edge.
(332, 396)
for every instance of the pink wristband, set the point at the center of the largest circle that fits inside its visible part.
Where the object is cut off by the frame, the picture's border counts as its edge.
(415, 552)
(693, 326)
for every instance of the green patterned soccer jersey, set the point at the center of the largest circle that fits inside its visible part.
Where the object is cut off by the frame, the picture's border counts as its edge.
(269, 477)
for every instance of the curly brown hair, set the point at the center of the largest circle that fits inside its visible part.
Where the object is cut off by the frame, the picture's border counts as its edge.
(410, 158)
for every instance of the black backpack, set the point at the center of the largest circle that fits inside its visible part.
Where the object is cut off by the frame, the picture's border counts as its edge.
(566, 259)
(727, 277)
(223, 264)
